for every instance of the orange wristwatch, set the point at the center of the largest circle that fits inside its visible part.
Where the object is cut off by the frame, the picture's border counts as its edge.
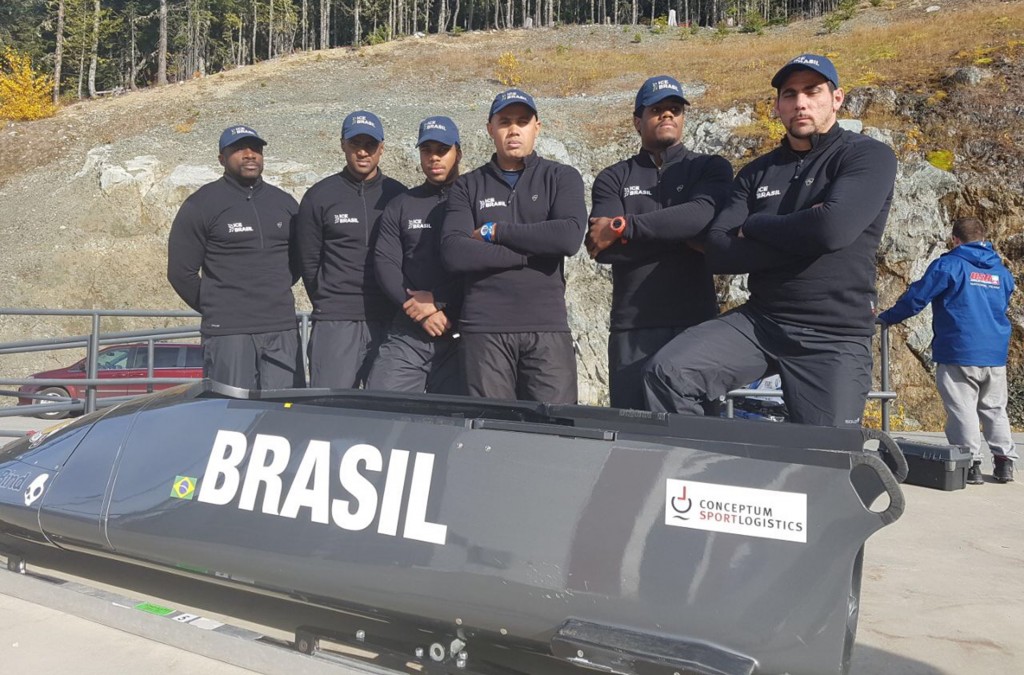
(618, 226)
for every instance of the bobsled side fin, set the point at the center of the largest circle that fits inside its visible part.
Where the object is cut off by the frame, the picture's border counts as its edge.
(621, 650)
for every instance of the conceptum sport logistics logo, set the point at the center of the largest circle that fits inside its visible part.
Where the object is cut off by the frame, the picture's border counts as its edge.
(771, 514)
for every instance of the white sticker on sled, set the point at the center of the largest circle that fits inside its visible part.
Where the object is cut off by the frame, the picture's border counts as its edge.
(770, 514)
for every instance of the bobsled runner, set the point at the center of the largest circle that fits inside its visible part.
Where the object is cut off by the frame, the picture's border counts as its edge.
(479, 536)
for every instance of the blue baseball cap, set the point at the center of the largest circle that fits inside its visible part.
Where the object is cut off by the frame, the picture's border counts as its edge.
(237, 133)
(511, 97)
(656, 89)
(817, 63)
(362, 122)
(440, 129)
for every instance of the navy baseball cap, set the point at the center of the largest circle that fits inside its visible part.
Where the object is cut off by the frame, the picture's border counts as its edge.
(656, 89)
(232, 135)
(362, 122)
(817, 63)
(510, 97)
(440, 129)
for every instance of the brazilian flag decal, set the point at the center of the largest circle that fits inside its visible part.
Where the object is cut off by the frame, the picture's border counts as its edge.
(184, 487)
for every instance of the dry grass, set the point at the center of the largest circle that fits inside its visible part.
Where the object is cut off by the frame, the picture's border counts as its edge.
(912, 48)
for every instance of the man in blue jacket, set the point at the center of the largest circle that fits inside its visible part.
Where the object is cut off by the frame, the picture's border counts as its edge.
(969, 290)
(804, 221)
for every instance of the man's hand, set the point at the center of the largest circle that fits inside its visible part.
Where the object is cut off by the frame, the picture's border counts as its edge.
(696, 244)
(420, 305)
(600, 235)
(437, 324)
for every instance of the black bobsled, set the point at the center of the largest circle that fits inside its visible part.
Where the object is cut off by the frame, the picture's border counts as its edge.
(507, 537)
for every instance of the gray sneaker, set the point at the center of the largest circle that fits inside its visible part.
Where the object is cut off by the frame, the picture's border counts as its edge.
(974, 475)
(1004, 470)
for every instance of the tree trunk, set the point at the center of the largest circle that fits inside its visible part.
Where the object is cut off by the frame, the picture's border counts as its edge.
(58, 52)
(356, 27)
(325, 24)
(255, 24)
(94, 51)
(161, 58)
(270, 32)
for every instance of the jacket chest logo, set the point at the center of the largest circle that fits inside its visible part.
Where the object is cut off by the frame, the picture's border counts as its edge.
(765, 191)
(238, 227)
(634, 191)
(418, 224)
(342, 218)
(491, 202)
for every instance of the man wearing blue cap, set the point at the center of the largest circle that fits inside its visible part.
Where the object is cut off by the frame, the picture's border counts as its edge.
(648, 212)
(419, 353)
(336, 224)
(231, 257)
(509, 226)
(804, 221)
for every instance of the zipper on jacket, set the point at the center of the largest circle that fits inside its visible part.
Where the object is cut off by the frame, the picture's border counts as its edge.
(256, 213)
(366, 214)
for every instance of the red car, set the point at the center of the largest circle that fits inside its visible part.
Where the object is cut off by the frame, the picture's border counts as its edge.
(118, 362)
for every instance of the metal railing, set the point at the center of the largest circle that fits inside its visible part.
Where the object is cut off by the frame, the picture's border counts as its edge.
(95, 338)
(885, 395)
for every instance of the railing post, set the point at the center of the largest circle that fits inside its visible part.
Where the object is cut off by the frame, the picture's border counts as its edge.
(886, 403)
(90, 363)
(730, 407)
(150, 353)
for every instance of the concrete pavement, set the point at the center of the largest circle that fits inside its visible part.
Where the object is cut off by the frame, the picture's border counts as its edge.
(942, 594)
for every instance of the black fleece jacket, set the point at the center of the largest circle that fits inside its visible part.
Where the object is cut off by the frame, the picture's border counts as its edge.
(514, 284)
(240, 238)
(811, 223)
(657, 280)
(334, 230)
(407, 253)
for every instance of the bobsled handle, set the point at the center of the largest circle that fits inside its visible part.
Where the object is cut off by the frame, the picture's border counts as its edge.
(890, 452)
(888, 482)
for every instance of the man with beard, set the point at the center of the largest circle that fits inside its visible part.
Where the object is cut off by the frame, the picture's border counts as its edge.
(419, 352)
(804, 221)
(230, 257)
(336, 223)
(508, 228)
(648, 214)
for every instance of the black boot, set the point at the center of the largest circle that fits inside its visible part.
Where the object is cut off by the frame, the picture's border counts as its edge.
(974, 475)
(1004, 470)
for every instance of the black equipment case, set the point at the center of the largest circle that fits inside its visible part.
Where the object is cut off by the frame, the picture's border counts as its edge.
(943, 467)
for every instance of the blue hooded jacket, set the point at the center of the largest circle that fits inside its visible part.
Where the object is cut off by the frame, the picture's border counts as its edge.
(969, 289)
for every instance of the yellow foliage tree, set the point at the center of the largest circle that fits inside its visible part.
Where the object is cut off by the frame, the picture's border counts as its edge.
(24, 93)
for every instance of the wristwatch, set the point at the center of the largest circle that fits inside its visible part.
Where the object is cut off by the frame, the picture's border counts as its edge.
(487, 231)
(619, 227)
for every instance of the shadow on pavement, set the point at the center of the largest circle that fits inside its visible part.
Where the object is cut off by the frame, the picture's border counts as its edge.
(873, 661)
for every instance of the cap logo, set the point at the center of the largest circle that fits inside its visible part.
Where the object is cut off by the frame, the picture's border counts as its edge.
(362, 119)
(240, 130)
(663, 84)
(431, 124)
(513, 95)
(806, 61)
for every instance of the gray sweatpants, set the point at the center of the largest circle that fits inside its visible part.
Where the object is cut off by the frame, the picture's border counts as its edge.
(412, 361)
(628, 353)
(255, 361)
(825, 378)
(520, 366)
(342, 352)
(972, 392)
